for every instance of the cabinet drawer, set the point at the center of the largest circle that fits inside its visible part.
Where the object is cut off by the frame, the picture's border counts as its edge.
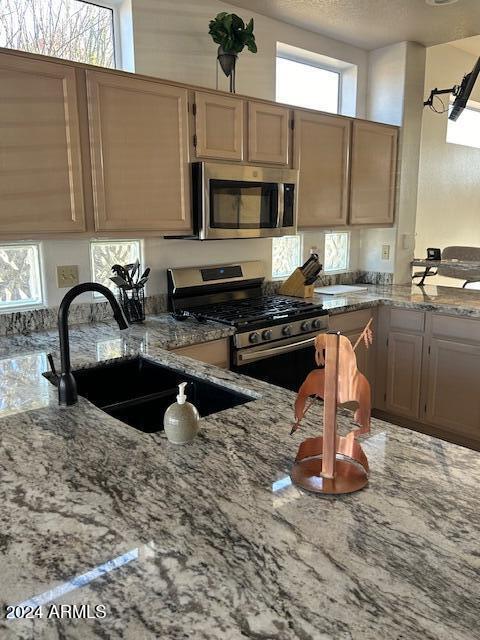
(352, 321)
(456, 328)
(407, 320)
(215, 352)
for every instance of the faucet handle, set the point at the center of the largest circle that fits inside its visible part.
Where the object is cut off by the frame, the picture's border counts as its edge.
(51, 362)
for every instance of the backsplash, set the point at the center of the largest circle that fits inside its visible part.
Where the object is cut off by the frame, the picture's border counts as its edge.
(351, 277)
(43, 319)
(23, 322)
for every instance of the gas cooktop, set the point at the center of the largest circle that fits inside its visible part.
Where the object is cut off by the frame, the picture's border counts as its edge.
(260, 310)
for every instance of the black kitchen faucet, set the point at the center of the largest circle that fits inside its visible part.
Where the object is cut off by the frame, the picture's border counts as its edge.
(67, 386)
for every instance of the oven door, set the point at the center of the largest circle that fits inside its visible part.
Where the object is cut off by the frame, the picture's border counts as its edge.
(285, 363)
(244, 201)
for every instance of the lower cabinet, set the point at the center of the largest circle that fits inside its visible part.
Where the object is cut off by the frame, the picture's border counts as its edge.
(428, 371)
(404, 358)
(216, 352)
(351, 325)
(452, 398)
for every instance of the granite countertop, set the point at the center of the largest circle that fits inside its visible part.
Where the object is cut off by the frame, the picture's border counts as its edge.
(466, 265)
(210, 540)
(448, 300)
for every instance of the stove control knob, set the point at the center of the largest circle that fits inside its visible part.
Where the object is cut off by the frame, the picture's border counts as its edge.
(287, 330)
(305, 326)
(316, 324)
(253, 337)
(267, 334)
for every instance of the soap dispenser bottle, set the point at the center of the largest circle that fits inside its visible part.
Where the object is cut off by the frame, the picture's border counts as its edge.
(181, 419)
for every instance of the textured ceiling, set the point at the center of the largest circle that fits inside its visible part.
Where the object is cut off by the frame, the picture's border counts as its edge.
(370, 24)
(471, 45)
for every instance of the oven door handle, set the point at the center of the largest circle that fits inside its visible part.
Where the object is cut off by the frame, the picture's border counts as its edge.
(251, 356)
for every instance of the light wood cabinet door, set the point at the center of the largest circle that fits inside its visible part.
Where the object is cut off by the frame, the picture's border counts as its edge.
(351, 324)
(268, 133)
(453, 398)
(139, 148)
(219, 126)
(404, 364)
(41, 188)
(321, 150)
(373, 173)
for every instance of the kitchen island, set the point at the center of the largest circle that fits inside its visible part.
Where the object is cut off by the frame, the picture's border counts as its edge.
(211, 540)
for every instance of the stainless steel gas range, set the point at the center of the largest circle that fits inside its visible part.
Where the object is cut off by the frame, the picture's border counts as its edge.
(274, 334)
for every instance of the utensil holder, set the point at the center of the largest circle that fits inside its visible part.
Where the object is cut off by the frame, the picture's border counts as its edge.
(295, 286)
(132, 302)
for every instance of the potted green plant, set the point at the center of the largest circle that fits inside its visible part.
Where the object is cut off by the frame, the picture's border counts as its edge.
(232, 35)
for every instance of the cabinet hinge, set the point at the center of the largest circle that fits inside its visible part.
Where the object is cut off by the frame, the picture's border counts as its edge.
(425, 408)
(429, 349)
(385, 397)
(194, 109)
(292, 124)
(194, 139)
(387, 342)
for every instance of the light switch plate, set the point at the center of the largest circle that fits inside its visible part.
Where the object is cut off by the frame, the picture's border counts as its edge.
(385, 252)
(67, 275)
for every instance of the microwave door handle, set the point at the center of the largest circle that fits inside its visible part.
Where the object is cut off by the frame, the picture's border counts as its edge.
(251, 356)
(280, 205)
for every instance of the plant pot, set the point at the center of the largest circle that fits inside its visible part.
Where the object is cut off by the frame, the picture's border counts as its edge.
(227, 60)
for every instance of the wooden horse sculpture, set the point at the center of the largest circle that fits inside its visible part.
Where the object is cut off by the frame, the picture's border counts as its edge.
(332, 463)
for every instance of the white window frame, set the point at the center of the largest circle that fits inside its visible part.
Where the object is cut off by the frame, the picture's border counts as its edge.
(112, 241)
(349, 238)
(347, 71)
(321, 67)
(472, 105)
(122, 31)
(28, 306)
(114, 6)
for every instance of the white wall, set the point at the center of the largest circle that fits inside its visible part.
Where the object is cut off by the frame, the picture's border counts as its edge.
(158, 254)
(449, 178)
(172, 41)
(395, 96)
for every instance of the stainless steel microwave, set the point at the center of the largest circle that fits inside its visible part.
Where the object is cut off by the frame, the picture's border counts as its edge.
(243, 201)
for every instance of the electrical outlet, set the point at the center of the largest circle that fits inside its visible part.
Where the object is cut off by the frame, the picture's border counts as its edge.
(385, 252)
(67, 275)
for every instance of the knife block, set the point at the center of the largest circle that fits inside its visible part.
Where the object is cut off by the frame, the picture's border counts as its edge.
(295, 286)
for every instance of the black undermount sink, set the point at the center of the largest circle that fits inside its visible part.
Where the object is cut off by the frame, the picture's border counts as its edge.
(138, 391)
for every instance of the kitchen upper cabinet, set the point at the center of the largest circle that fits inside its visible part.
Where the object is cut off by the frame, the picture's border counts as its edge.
(139, 147)
(373, 173)
(268, 133)
(219, 126)
(41, 186)
(321, 151)
(404, 362)
(452, 399)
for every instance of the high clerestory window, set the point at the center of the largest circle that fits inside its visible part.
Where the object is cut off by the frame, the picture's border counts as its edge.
(307, 85)
(72, 29)
(466, 130)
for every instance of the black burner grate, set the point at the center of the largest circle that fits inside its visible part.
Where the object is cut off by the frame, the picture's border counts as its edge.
(256, 309)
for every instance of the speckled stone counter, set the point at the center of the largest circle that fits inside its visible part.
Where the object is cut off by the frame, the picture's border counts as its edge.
(449, 300)
(210, 540)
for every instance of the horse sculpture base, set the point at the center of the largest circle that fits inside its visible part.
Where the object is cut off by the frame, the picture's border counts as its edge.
(351, 471)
